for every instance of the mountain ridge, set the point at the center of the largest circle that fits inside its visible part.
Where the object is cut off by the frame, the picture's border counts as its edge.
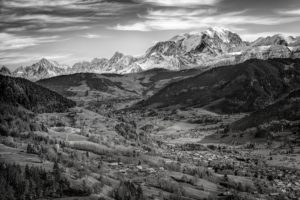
(286, 108)
(213, 47)
(21, 100)
(244, 87)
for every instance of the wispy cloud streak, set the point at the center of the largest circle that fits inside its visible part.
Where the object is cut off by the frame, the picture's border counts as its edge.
(12, 42)
(181, 3)
(183, 19)
(93, 36)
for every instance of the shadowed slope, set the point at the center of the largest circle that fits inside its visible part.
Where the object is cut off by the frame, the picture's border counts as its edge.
(245, 87)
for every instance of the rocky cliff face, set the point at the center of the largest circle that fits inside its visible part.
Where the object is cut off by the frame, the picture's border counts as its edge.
(275, 40)
(118, 63)
(96, 65)
(42, 69)
(211, 48)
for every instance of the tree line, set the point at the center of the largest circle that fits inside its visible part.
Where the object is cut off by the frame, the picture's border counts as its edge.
(30, 182)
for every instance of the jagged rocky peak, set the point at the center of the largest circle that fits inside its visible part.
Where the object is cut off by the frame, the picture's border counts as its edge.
(120, 58)
(95, 65)
(41, 69)
(5, 71)
(45, 62)
(278, 39)
(45, 65)
(117, 55)
(213, 38)
(81, 64)
(212, 47)
(119, 62)
(99, 60)
(167, 48)
(223, 34)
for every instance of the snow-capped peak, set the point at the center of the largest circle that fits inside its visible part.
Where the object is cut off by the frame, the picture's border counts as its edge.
(222, 33)
(218, 29)
(41, 69)
(212, 47)
(289, 39)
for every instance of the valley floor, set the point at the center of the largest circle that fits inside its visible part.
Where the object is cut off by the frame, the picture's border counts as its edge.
(157, 154)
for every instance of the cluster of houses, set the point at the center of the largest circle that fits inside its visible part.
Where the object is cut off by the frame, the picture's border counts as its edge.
(283, 179)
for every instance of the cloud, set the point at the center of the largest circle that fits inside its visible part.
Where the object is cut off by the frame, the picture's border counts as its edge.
(35, 15)
(92, 36)
(44, 18)
(132, 27)
(184, 19)
(48, 29)
(167, 19)
(40, 3)
(61, 4)
(289, 12)
(153, 14)
(63, 29)
(12, 42)
(32, 23)
(181, 3)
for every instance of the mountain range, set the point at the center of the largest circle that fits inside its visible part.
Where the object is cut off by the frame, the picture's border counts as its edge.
(211, 48)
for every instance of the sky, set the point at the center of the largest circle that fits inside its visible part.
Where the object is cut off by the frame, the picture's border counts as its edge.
(70, 31)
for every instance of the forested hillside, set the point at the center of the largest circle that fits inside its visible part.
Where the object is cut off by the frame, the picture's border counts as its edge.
(245, 87)
(286, 109)
(20, 99)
